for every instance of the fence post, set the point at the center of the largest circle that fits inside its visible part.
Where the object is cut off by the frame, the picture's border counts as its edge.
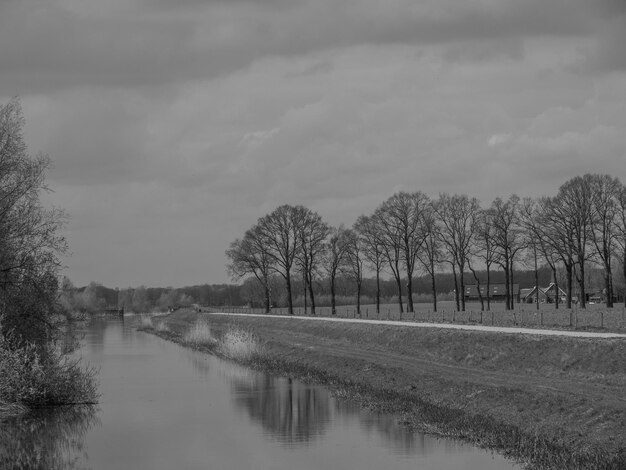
(481, 317)
(542, 318)
(492, 318)
(602, 319)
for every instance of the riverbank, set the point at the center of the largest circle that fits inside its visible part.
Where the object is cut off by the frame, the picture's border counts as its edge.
(550, 401)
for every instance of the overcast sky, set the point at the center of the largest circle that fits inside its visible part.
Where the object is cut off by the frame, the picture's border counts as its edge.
(174, 125)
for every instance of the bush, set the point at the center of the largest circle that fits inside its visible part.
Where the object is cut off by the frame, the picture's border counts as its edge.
(32, 379)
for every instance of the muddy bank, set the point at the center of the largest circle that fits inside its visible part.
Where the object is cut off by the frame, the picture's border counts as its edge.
(552, 402)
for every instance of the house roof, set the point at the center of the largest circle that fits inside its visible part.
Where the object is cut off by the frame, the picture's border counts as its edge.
(494, 290)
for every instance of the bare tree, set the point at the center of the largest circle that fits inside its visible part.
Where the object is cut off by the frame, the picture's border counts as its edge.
(391, 243)
(280, 234)
(507, 240)
(372, 249)
(430, 254)
(483, 248)
(575, 199)
(354, 259)
(458, 215)
(621, 227)
(402, 218)
(334, 258)
(313, 232)
(605, 191)
(250, 256)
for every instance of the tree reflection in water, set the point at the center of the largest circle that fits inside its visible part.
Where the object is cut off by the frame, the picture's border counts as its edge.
(50, 439)
(292, 412)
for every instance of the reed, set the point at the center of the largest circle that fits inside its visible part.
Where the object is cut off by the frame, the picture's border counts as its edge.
(199, 334)
(240, 344)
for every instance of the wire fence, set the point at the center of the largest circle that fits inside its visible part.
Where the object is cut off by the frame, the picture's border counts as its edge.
(594, 317)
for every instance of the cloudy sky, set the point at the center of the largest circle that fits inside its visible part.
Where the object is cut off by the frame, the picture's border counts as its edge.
(175, 124)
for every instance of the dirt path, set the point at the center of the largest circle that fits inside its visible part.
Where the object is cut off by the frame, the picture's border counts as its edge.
(494, 329)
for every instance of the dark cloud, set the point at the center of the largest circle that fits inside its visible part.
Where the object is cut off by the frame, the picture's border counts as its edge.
(48, 47)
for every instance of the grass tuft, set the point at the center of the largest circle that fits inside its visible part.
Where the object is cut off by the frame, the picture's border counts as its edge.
(240, 344)
(200, 334)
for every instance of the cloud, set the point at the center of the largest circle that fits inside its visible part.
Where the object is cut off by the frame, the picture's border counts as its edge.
(59, 44)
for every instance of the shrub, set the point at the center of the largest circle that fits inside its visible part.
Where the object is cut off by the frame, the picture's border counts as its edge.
(32, 379)
(240, 344)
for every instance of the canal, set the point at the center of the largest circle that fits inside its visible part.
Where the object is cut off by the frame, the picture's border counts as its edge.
(167, 407)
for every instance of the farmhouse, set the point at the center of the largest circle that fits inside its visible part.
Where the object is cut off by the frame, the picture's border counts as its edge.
(545, 294)
(497, 292)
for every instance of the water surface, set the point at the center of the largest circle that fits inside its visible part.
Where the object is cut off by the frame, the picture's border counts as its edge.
(167, 407)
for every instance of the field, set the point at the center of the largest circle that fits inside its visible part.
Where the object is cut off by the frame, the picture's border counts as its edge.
(551, 402)
(594, 317)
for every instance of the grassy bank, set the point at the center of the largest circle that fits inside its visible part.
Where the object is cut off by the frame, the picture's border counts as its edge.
(551, 402)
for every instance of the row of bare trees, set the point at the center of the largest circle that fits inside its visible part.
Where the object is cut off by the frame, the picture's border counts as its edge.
(410, 233)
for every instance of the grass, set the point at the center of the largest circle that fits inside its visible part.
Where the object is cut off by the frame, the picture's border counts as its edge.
(240, 344)
(199, 334)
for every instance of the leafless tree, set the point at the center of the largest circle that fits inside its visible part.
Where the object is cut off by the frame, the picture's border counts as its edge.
(402, 219)
(507, 239)
(458, 216)
(372, 248)
(280, 234)
(250, 255)
(430, 254)
(605, 194)
(354, 260)
(334, 259)
(313, 232)
(575, 198)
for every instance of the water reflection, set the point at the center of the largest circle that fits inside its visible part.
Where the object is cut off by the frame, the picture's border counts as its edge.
(47, 439)
(290, 411)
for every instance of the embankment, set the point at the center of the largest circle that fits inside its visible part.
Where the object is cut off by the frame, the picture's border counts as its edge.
(548, 401)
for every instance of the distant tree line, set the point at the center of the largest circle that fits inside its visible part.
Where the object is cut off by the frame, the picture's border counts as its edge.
(96, 298)
(580, 230)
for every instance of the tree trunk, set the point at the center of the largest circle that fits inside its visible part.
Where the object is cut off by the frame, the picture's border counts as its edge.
(512, 288)
(462, 286)
(488, 288)
(507, 280)
(433, 284)
(480, 295)
(358, 298)
(289, 297)
(581, 283)
(312, 296)
(456, 288)
(268, 304)
(557, 294)
(377, 291)
(570, 287)
(409, 294)
(399, 285)
(624, 268)
(536, 278)
(607, 288)
(333, 307)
